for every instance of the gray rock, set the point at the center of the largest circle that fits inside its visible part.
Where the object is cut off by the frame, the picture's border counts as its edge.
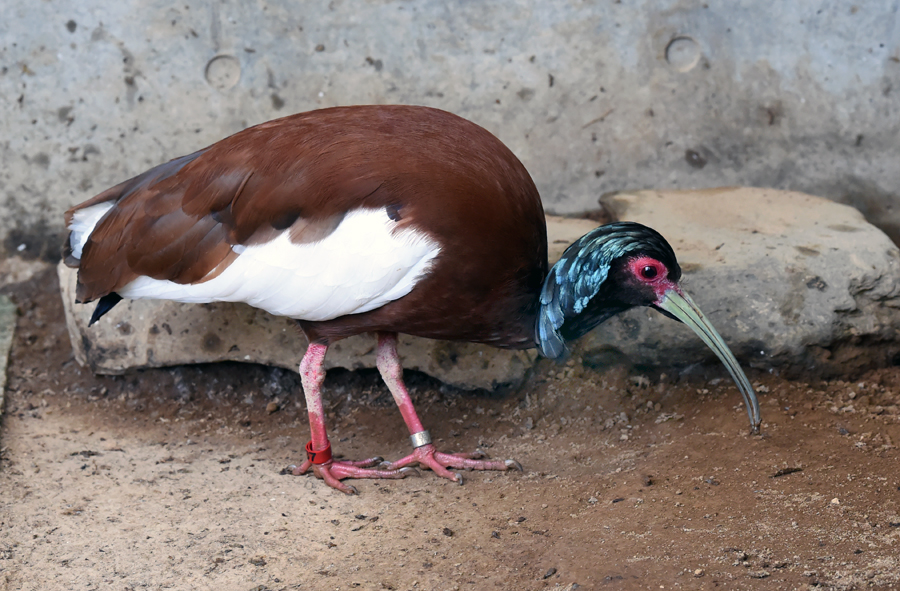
(153, 333)
(789, 280)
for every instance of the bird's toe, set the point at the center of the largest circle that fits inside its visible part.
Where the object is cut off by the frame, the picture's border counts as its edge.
(296, 470)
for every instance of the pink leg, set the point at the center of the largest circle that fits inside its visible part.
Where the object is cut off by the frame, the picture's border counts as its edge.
(312, 374)
(388, 363)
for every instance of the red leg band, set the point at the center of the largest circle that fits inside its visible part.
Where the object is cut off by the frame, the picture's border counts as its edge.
(318, 456)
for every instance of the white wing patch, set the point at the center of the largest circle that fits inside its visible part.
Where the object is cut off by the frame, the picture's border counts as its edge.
(82, 224)
(364, 264)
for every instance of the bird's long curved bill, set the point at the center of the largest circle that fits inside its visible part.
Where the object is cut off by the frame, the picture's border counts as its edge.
(681, 306)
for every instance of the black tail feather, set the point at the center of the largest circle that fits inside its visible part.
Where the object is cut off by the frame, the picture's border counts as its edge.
(104, 305)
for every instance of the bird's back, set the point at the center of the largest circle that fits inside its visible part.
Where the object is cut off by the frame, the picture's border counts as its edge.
(430, 205)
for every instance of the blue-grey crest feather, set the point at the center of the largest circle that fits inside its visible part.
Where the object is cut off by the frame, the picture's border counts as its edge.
(580, 273)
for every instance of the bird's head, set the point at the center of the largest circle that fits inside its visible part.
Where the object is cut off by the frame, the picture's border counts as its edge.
(612, 269)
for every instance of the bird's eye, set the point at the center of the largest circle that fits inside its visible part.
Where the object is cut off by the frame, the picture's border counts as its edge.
(649, 272)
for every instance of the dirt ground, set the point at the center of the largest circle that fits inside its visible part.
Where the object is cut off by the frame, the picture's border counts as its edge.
(171, 479)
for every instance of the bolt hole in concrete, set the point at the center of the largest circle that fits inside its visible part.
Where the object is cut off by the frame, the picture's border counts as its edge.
(223, 72)
(683, 53)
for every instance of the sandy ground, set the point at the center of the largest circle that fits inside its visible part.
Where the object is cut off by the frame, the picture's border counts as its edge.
(171, 479)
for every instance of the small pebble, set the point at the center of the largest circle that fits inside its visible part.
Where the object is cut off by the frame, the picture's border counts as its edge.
(835, 501)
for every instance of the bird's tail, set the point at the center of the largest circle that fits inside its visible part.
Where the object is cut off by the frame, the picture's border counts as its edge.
(81, 223)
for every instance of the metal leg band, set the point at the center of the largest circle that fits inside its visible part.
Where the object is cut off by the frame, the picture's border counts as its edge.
(421, 438)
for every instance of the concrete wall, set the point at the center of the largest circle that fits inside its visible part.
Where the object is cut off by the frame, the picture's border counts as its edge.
(592, 96)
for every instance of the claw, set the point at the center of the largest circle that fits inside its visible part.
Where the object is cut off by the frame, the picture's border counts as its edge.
(302, 468)
(458, 478)
(409, 471)
(478, 454)
(514, 464)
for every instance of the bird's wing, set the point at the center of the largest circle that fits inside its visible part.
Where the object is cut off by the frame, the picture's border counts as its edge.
(283, 232)
(179, 221)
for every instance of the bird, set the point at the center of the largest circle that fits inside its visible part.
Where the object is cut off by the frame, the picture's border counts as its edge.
(380, 219)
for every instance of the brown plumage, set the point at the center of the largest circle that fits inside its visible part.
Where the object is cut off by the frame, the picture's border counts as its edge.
(438, 172)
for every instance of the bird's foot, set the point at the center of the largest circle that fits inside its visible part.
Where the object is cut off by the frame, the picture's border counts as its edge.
(333, 472)
(427, 457)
